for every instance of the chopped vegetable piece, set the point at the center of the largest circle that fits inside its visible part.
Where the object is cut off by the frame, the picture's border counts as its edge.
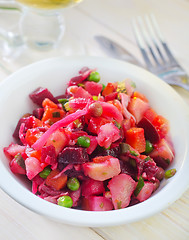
(65, 201)
(61, 123)
(73, 184)
(139, 186)
(46, 171)
(94, 76)
(83, 141)
(56, 180)
(135, 138)
(170, 173)
(95, 109)
(149, 147)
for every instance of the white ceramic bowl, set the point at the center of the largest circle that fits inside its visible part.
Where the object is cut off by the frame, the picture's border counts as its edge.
(54, 74)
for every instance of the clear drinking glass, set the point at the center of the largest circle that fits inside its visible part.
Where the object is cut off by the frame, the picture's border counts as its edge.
(36, 31)
(42, 23)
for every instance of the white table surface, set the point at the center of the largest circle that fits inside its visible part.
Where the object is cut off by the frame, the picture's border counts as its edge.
(113, 19)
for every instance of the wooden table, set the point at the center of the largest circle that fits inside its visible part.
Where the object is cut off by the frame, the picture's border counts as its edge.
(110, 18)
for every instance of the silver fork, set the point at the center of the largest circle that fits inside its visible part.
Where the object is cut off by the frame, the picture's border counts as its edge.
(156, 53)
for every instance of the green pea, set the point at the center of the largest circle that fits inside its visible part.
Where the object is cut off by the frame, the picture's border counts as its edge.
(65, 201)
(94, 77)
(149, 147)
(73, 184)
(46, 171)
(83, 141)
(169, 173)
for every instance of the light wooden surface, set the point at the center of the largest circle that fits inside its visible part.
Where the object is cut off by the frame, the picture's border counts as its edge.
(110, 18)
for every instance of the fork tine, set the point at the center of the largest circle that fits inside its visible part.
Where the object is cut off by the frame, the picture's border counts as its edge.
(161, 38)
(147, 39)
(141, 44)
(153, 36)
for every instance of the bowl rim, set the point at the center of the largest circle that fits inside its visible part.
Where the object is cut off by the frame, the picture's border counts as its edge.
(98, 219)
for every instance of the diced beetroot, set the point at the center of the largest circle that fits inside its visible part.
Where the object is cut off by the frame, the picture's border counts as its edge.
(84, 73)
(38, 113)
(121, 188)
(33, 167)
(13, 149)
(73, 171)
(38, 95)
(28, 123)
(48, 155)
(17, 165)
(97, 203)
(146, 191)
(103, 170)
(73, 155)
(36, 181)
(114, 152)
(58, 139)
(150, 169)
(108, 134)
(135, 138)
(110, 111)
(128, 169)
(75, 196)
(93, 144)
(96, 123)
(93, 88)
(150, 131)
(162, 153)
(138, 107)
(92, 187)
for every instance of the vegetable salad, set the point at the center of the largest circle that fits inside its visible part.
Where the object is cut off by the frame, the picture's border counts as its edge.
(96, 147)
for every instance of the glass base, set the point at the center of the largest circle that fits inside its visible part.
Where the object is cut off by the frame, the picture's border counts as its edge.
(21, 56)
(42, 30)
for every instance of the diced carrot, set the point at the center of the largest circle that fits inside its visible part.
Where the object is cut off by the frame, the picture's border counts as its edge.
(135, 138)
(32, 135)
(52, 114)
(161, 124)
(55, 180)
(36, 154)
(100, 159)
(47, 102)
(140, 95)
(110, 88)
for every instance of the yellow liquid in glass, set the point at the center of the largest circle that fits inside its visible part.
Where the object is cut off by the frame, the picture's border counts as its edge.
(49, 4)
